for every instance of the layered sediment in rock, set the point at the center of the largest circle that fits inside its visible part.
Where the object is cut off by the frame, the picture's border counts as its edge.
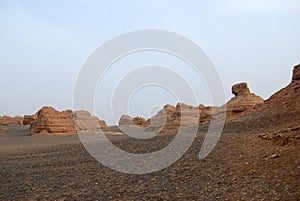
(52, 121)
(29, 119)
(49, 120)
(8, 120)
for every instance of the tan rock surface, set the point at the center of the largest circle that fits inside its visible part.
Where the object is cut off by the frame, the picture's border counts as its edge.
(86, 123)
(161, 119)
(52, 121)
(8, 120)
(29, 119)
(242, 102)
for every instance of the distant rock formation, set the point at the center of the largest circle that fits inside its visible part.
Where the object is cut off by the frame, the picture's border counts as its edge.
(206, 113)
(126, 120)
(163, 116)
(8, 120)
(86, 123)
(139, 121)
(243, 101)
(184, 115)
(52, 121)
(161, 119)
(49, 120)
(29, 119)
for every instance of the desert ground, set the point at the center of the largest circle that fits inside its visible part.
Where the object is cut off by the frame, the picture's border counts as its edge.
(241, 167)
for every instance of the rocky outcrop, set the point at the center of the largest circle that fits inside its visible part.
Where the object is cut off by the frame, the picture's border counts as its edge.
(52, 121)
(184, 116)
(139, 121)
(161, 119)
(29, 119)
(285, 100)
(296, 73)
(206, 113)
(243, 101)
(102, 124)
(8, 120)
(86, 123)
(126, 120)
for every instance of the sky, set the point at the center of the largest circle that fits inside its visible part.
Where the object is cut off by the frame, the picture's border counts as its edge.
(43, 45)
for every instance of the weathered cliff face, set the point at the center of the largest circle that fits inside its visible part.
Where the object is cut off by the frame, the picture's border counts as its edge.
(52, 121)
(7, 120)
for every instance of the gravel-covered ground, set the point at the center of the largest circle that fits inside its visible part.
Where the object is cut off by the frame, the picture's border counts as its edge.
(241, 167)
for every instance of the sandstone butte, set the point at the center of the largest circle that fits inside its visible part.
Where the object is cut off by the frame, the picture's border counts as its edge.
(49, 120)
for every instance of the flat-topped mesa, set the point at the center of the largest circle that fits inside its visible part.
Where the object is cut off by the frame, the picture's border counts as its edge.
(52, 121)
(86, 123)
(296, 73)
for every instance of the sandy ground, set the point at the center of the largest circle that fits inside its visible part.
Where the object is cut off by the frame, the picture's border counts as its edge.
(241, 167)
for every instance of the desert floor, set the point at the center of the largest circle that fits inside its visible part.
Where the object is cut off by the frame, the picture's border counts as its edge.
(241, 167)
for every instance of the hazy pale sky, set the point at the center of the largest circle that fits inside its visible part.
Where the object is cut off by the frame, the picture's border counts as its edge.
(43, 45)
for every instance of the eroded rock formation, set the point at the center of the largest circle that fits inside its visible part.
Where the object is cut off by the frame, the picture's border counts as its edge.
(86, 123)
(243, 101)
(126, 120)
(52, 121)
(8, 120)
(29, 119)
